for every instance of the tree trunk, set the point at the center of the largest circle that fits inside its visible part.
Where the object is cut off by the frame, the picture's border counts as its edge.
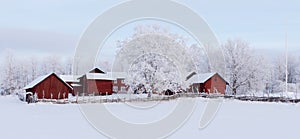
(234, 91)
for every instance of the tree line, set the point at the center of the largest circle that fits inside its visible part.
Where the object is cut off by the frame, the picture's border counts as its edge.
(250, 73)
(18, 71)
(247, 71)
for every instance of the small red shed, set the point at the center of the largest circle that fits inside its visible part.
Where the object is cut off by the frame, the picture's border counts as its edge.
(97, 83)
(49, 87)
(209, 83)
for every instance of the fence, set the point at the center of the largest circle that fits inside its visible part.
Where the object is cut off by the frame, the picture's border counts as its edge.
(92, 98)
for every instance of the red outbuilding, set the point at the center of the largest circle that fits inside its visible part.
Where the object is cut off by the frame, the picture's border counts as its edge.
(209, 83)
(97, 82)
(74, 82)
(49, 86)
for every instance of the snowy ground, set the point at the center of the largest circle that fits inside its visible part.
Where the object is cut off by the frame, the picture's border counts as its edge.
(290, 95)
(235, 120)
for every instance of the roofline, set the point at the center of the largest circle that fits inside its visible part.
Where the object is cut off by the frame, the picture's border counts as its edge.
(215, 73)
(98, 69)
(63, 81)
(48, 77)
(222, 78)
(102, 79)
(78, 76)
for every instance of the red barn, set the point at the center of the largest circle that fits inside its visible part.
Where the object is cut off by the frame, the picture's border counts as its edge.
(97, 82)
(49, 87)
(209, 83)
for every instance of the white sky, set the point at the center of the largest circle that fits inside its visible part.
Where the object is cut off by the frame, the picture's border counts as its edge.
(35, 27)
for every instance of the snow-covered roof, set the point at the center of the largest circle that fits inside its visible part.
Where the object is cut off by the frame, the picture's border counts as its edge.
(104, 76)
(42, 78)
(70, 78)
(99, 76)
(36, 81)
(118, 75)
(74, 84)
(202, 78)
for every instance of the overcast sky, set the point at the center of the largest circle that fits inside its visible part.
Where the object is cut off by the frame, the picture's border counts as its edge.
(43, 27)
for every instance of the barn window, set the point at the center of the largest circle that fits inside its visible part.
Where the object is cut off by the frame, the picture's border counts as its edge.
(216, 79)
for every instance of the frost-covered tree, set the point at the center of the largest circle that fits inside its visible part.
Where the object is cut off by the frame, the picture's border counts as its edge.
(33, 68)
(199, 58)
(293, 71)
(106, 65)
(21, 74)
(245, 70)
(279, 72)
(261, 75)
(152, 43)
(8, 81)
(17, 72)
(153, 72)
(52, 63)
(67, 65)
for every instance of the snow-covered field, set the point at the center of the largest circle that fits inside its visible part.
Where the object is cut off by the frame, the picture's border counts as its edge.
(235, 120)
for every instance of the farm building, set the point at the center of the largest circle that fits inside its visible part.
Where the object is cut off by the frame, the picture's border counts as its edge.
(119, 84)
(97, 82)
(49, 86)
(208, 83)
(73, 81)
